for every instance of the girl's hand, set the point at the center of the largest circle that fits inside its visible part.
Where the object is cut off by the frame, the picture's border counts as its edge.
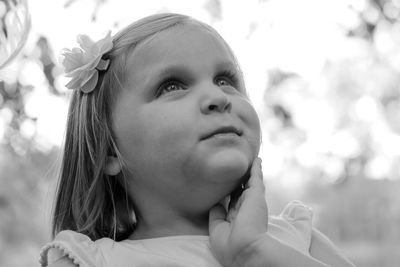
(239, 237)
(245, 222)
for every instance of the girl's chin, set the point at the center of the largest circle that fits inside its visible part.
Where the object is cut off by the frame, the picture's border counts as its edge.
(227, 167)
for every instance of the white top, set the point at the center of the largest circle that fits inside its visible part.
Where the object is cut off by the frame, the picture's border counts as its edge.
(293, 226)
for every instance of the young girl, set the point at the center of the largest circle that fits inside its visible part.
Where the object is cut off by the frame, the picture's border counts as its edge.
(160, 163)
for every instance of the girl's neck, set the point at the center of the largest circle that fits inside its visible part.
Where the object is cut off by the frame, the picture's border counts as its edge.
(162, 226)
(184, 213)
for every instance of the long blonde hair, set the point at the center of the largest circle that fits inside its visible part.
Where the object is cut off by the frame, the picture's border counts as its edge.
(88, 200)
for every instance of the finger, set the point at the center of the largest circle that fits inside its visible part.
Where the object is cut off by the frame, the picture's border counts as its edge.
(252, 207)
(235, 196)
(217, 216)
(225, 202)
(255, 181)
(256, 176)
(232, 212)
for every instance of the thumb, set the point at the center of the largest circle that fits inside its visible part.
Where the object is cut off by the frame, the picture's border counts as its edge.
(217, 216)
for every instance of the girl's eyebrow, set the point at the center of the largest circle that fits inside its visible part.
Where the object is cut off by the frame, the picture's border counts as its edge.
(184, 70)
(172, 70)
(223, 65)
(152, 78)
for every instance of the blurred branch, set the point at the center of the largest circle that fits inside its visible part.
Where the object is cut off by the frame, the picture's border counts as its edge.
(15, 25)
(390, 9)
(97, 5)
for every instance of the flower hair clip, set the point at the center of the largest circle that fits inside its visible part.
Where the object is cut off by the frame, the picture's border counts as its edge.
(83, 63)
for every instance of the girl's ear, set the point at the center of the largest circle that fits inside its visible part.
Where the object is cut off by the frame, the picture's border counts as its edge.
(113, 167)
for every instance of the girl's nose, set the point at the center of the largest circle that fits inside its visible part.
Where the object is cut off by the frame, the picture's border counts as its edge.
(216, 101)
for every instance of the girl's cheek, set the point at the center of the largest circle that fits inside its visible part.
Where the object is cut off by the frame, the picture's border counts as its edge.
(254, 117)
(257, 127)
(253, 125)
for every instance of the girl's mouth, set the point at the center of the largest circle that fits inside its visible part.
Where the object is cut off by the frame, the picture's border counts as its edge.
(224, 131)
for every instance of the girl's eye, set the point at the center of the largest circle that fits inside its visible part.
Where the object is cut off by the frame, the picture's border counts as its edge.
(227, 78)
(170, 86)
(222, 82)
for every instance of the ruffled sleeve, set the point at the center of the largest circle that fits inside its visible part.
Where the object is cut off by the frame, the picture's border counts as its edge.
(293, 226)
(78, 247)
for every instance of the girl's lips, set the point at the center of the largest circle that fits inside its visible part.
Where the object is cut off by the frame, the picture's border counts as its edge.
(225, 130)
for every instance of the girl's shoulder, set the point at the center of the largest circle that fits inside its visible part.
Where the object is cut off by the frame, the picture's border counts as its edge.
(63, 262)
(293, 226)
(69, 247)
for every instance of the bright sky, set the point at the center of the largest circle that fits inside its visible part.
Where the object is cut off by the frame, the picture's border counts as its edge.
(284, 34)
(283, 39)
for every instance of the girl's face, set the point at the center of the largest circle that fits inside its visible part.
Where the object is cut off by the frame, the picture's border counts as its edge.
(184, 125)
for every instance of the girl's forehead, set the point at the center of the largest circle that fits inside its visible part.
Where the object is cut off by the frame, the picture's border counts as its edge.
(182, 32)
(191, 49)
(182, 39)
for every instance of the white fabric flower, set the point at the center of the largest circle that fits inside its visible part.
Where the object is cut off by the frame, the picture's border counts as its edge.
(82, 64)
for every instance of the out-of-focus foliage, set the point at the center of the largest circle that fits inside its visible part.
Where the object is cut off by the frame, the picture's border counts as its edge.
(341, 133)
(334, 141)
(25, 183)
(14, 29)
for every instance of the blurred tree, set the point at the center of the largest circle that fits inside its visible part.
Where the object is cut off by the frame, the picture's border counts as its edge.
(15, 25)
(98, 4)
(336, 155)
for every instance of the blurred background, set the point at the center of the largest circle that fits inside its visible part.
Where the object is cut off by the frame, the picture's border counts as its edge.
(323, 75)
